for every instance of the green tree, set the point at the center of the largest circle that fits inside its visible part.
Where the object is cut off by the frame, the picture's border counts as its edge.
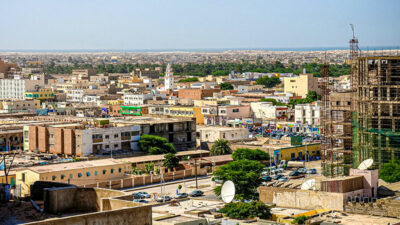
(149, 167)
(390, 172)
(300, 220)
(245, 174)
(268, 82)
(189, 79)
(226, 86)
(171, 161)
(313, 96)
(155, 145)
(242, 210)
(220, 147)
(250, 154)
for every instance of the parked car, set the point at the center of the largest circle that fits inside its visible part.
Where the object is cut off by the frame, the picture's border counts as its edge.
(283, 179)
(137, 196)
(302, 170)
(196, 193)
(311, 171)
(277, 177)
(294, 174)
(266, 178)
(140, 201)
(144, 194)
(164, 198)
(181, 195)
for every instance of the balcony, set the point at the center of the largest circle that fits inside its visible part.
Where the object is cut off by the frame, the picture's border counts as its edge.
(97, 140)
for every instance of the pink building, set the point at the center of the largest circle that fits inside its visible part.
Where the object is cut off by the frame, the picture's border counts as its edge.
(219, 115)
(370, 181)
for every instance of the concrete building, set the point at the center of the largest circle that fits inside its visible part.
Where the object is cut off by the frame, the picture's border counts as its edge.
(221, 115)
(12, 106)
(246, 89)
(212, 134)
(137, 99)
(41, 94)
(196, 93)
(82, 140)
(309, 114)
(301, 85)
(76, 173)
(267, 111)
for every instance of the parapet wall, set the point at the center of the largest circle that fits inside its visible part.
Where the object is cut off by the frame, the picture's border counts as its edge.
(387, 207)
(302, 199)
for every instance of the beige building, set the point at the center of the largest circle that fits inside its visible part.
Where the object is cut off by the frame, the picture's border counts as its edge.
(10, 106)
(302, 84)
(211, 134)
(78, 173)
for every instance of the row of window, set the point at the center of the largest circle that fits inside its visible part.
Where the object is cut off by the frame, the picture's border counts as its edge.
(88, 174)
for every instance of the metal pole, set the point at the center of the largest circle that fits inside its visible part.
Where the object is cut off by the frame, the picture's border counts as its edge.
(195, 172)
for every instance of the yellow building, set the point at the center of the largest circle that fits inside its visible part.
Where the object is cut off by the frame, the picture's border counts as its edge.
(10, 178)
(301, 85)
(291, 153)
(115, 102)
(42, 94)
(201, 103)
(182, 111)
(77, 173)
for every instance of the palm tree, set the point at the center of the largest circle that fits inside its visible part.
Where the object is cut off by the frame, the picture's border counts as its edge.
(221, 147)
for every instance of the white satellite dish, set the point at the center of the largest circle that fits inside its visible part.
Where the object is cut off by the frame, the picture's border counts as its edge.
(308, 184)
(228, 191)
(365, 164)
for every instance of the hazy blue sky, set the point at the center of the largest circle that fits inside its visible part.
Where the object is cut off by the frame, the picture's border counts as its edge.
(172, 24)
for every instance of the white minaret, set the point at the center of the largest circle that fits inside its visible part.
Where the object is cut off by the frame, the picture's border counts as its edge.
(169, 78)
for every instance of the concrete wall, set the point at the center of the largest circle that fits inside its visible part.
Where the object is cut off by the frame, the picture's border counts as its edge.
(301, 199)
(128, 216)
(387, 207)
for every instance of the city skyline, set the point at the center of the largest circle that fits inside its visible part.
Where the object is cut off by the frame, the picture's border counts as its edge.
(177, 25)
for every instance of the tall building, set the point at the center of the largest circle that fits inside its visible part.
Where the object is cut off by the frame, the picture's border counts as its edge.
(377, 117)
(302, 84)
(169, 82)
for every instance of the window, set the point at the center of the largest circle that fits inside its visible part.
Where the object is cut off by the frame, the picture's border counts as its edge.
(119, 170)
(116, 135)
(115, 145)
(79, 174)
(112, 171)
(70, 175)
(235, 110)
(62, 177)
(104, 172)
(88, 174)
(107, 146)
(53, 177)
(135, 133)
(107, 136)
(95, 173)
(23, 177)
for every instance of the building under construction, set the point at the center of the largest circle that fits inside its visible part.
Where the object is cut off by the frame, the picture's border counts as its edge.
(376, 125)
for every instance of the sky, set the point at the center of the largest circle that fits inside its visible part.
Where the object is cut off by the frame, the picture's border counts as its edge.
(195, 24)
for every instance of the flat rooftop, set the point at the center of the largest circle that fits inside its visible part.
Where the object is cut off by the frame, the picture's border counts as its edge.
(150, 120)
(75, 165)
(151, 158)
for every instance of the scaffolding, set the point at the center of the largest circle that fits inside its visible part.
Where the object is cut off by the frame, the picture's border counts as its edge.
(376, 125)
(336, 129)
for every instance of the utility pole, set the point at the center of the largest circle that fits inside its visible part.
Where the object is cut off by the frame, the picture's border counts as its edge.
(195, 172)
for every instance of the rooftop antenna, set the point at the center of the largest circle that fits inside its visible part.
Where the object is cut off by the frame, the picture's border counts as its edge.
(228, 191)
(366, 164)
(308, 184)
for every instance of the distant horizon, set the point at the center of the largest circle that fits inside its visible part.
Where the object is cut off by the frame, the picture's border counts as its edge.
(294, 49)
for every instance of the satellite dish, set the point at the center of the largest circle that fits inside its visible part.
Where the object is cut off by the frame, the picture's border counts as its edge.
(365, 164)
(308, 184)
(228, 191)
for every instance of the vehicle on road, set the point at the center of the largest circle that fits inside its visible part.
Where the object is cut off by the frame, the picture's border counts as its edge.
(181, 195)
(196, 193)
(137, 196)
(266, 178)
(311, 171)
(140, 201)
(277, 177)
(144, 194)
(283, 179)
(294, 174)
(302, 170)
(164, 198)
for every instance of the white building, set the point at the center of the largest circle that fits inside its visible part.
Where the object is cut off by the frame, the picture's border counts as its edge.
(12, 89)
(267, 111)
(212, 134)
(136, 98)
(308, 114)
(169, 82)
(90, 98)
(74, 95)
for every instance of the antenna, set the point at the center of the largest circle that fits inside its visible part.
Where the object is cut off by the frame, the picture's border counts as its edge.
(228, 191)
(364, 165)
(308, 184)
